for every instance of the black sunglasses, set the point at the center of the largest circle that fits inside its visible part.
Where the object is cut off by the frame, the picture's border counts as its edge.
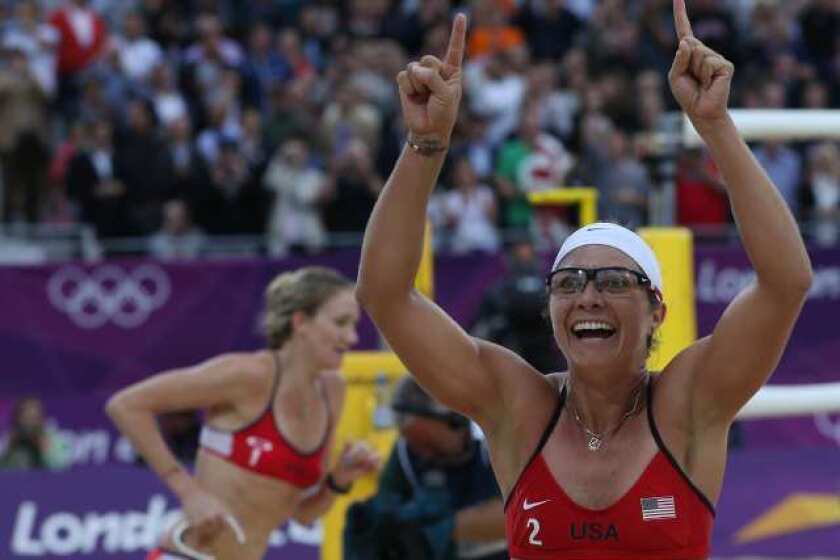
(612, 280)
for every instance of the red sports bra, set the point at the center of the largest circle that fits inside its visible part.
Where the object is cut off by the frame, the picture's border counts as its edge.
(260, 447)
(663, 515)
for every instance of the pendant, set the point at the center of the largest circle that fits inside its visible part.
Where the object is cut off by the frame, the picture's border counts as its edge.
(594, 443)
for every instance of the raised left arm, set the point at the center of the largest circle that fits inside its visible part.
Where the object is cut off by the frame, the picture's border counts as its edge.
(748, 341)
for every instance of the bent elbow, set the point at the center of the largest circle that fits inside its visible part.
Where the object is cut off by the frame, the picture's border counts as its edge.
(116, 406)
(800, 284)
(371, 298)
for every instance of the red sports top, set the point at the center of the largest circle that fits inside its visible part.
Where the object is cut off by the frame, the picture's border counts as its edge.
(662, 516)
(261, 448)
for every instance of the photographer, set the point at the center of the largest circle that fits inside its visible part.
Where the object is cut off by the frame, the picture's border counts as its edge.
(512, 311)
(437, 498)
(30, 442)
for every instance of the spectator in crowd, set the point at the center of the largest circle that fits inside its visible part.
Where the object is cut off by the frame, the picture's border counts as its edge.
(183, 159)
(550, 28)
(623, 182)
(144, 165)
(138, 54)
(31, 442)
(299, 190)
(436, 499)
(701, 198)
(496, 88)
(95, 183)
(230, 202)
(170, 105)
(469, 212)
(258, 74)
(28, 32)
(512, 312)
(178, 238)
(556, 107)
(492, 30)
(824, 186)
(531, 161)
(354, 185)
(23, 138)
(349, 117)
(83, 37)
(784, 166)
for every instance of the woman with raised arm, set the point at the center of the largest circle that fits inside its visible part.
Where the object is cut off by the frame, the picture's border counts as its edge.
(604, 460)
(269, 424)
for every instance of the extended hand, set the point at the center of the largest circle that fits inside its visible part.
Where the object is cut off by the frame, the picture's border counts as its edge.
(700, 78)
(356, 460)
(430, 89)
(205, 515)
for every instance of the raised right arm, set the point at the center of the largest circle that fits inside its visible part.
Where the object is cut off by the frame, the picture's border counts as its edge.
(452, 365)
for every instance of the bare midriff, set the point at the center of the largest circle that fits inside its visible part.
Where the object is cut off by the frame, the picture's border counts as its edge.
(259, 503)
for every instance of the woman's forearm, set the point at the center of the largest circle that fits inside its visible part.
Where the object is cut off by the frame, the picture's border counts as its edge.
(312, 508)
(141, 429)
(394, 234)
(768, 230)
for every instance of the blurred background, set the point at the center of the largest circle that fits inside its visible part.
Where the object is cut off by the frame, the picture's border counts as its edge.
(161, 160)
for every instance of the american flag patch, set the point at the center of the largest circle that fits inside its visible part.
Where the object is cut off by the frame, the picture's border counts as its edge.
(658, 508)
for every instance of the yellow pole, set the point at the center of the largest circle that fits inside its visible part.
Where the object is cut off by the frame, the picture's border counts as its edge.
(365, 373)
(674, 248)
(586, 198)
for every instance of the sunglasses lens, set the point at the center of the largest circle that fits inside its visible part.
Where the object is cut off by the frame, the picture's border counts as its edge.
(615, 281)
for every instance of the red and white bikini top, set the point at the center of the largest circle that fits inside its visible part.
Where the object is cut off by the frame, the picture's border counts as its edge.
(260, 447)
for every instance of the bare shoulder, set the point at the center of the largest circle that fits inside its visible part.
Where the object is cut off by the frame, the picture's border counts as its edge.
(253, 372)
(520, 383)
(557, 379)
(335, 387)
(529, 400)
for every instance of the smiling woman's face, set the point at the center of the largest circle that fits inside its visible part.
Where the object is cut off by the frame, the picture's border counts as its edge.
(595, 328)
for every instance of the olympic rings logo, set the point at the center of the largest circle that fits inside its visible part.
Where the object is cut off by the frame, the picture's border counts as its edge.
(109, 293)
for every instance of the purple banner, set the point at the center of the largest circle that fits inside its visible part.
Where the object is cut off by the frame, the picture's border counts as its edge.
(70, 331)
(813, 354)
(775, 503)
(780, 503)
(107, 513)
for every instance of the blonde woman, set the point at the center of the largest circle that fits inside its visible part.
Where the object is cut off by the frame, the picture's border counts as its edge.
(270, 420)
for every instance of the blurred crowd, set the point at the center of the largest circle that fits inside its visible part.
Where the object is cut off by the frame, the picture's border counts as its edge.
(175, 120)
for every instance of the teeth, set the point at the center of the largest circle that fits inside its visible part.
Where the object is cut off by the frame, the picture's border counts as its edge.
(592, 326)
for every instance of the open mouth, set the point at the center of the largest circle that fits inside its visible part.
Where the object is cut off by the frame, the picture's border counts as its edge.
(592, 330)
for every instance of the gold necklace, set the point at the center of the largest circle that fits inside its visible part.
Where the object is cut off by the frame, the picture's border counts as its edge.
(596, 440)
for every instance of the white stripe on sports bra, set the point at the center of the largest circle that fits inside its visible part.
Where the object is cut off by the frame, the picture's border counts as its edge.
(215, 440)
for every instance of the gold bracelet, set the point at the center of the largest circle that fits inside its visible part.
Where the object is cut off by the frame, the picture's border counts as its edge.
(426, 147)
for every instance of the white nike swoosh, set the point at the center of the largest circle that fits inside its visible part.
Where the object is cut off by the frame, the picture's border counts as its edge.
(526, 506)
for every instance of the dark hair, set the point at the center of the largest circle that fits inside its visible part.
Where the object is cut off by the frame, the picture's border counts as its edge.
(410, 398)
(305, 289)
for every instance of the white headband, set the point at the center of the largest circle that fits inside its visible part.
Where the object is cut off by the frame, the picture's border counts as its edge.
(617, 237)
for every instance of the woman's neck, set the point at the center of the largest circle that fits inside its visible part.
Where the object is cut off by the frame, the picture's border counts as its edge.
(297, 369)
(602, 402)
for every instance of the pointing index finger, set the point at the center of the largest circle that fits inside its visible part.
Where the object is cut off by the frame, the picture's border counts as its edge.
(457, 40)
(681, 21)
